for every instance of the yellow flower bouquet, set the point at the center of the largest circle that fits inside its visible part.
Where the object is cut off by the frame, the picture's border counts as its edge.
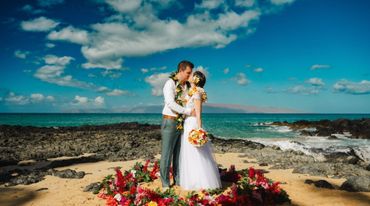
(198, 137)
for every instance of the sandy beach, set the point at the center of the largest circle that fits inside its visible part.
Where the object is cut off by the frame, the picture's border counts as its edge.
(57, 191)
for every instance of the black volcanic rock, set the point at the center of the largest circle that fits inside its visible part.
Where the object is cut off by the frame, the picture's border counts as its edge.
(68, 173)
(358, 128)
(320, 183)
(93, 187)
(357, 184)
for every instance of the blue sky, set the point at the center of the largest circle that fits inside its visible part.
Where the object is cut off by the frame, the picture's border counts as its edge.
(109, 55)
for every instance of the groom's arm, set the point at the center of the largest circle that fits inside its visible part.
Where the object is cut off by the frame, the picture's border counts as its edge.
(169, 99)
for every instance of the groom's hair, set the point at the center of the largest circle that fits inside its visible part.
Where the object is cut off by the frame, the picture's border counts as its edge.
(183, 64)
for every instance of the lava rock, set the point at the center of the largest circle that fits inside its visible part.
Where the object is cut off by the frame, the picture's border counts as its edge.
(68, 173)
(319, 183)
(357, 184)
(93, 187)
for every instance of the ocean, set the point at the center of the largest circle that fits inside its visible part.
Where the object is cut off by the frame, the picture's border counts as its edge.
(255, 127)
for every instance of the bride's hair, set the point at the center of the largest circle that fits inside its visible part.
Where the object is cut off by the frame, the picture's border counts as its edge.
(201, 77)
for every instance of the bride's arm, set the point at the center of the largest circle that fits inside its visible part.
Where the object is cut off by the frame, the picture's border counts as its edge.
(198, 111)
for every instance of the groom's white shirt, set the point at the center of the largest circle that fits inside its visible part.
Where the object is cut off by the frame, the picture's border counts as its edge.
(170, 105)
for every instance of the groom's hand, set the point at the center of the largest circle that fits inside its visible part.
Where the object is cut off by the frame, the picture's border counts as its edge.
(193, 113)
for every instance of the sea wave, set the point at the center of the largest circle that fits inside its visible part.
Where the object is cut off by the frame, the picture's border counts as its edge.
(319, 146)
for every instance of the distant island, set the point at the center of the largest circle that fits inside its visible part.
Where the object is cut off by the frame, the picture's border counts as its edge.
(207, 108)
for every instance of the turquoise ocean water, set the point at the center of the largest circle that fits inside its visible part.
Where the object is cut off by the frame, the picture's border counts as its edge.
(223, 125)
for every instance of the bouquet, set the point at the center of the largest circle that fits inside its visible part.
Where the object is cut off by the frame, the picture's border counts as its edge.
(198, 137)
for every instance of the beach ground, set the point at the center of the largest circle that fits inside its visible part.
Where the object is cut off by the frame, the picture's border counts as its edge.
(57, 191)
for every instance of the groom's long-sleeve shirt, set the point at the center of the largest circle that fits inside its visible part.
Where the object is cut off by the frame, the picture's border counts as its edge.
(170, 105)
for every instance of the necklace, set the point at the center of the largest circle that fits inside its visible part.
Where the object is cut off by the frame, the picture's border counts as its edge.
(179, 100)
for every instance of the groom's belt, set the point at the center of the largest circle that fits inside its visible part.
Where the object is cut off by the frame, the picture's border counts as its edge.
(168, 117)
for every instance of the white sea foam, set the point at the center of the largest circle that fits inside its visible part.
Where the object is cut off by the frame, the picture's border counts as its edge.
(261, 123)
(318, 146)
(280, 129)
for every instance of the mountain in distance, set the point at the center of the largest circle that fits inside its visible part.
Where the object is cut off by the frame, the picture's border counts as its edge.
(209, 108)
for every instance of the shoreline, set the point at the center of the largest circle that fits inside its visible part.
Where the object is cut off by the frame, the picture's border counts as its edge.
(31, 156)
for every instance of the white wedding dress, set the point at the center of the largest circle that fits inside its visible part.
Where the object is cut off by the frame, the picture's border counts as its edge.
(198, 168)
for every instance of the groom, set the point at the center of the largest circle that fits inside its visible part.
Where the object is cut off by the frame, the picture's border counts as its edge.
(171, 142)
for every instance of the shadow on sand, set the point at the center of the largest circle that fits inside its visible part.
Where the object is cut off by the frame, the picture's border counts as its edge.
(356, 198)
(10, 196)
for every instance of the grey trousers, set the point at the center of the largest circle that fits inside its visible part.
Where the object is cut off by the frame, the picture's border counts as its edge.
(171, 145)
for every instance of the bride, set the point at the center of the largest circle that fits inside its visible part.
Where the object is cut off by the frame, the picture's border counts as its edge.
(198, 169)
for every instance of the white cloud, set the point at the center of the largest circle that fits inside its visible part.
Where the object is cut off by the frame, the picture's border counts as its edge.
(241, 79)
(80, 100)
(86, 102)
(111, 74)
(137, 28)
(320, 66)
(226, 70)
(112, 92)
(282, 2)
(258, 70)
(117, 92)
(53, 72)
(28, 8)
(37, 97)
(91, 75)
(50, 98)
(40, 24)
(157, 82)
(244, 3)
(345, 86)
(69, 34)
(315, 82)
(21, 54)
(300, 89)
(108, 63)
(99, 101)
(49, 3)
(50, 45)
(103, 89)
(62, 61)
(271, 90)
(12, 98)
(210, 4)
(111, 41)
(144, 70)
(124, 6)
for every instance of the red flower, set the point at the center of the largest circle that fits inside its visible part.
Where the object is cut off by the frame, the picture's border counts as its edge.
(120, 183)
(111, 201)
(275, 188)
(145, 168)
(132, 190)
(252, 172)
(154, 171)
(127, 203)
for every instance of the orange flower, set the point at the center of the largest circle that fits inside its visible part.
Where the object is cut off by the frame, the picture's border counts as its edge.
(198, 137)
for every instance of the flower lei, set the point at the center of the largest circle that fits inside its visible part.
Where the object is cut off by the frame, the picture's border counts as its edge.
(179, 100)
(194, 90)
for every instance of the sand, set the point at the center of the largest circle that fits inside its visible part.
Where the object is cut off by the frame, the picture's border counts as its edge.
(58, 191)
